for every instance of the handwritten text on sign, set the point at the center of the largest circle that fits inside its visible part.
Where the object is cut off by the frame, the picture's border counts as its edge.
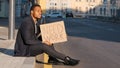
(53, 32)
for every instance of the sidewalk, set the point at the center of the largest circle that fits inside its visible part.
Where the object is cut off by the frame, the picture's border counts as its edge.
(7, 60)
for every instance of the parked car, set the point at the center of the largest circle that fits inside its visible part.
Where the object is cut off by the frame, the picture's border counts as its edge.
(69, 15)
(55, 15)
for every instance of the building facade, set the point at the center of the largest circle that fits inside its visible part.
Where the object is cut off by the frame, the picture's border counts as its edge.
(118, 4)
(83, 8)
(86, 8)
(61, 6)
(18, 8)
(118, 10)
(42, 3)
(4, 8)
(21, 7)
(79, 8)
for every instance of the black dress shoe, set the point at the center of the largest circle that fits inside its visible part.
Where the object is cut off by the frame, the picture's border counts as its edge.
(70, 61)
(54, 61)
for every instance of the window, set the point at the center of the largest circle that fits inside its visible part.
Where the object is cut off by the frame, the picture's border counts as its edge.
(80, 10)
(90, 0)
(87, 10)
(113, 2)
(94, 11)
(90, 11)
(104, 1)
(101, 11)
(78, 0)
(76, 9)
(111, 11)
(55, 10)
(104, 11)
(55, 4)
(101, 1)
(114, 12)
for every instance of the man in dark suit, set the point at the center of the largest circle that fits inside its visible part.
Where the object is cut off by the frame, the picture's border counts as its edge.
(28, 43)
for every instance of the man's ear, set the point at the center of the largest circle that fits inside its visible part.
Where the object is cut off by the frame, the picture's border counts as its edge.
(31, 11)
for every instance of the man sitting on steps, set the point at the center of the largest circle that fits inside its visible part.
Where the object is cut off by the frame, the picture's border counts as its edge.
(27, 43)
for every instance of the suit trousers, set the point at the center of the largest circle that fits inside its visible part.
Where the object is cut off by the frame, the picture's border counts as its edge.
(43, 48)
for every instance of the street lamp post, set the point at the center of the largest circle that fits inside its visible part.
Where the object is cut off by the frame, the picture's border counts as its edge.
(11, 29)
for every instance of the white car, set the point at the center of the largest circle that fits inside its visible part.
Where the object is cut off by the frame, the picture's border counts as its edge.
(55, 15)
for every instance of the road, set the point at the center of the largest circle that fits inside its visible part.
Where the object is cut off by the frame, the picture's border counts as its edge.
(94, 29)
(95, 43)
(91, 29)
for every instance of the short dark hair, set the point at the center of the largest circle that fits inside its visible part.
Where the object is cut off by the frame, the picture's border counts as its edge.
(33, 6)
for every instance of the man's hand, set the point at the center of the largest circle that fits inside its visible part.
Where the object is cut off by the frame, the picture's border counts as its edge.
(47, 43)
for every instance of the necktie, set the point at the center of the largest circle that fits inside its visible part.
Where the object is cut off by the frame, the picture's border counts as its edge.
(35, 28)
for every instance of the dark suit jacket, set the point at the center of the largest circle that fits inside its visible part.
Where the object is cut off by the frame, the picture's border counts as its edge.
(26, 37)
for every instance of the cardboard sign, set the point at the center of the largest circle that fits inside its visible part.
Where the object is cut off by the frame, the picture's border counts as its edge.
(53, 32)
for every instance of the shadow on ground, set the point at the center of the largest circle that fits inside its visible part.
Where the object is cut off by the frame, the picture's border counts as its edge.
(9, 52)
(2, 39)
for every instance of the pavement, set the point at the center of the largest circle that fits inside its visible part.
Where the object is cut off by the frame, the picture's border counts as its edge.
(7, 60)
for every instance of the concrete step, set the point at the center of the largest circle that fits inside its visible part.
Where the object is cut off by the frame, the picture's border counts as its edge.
(7, 60)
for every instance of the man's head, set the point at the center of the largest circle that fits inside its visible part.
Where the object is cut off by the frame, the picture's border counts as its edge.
(35, 11)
